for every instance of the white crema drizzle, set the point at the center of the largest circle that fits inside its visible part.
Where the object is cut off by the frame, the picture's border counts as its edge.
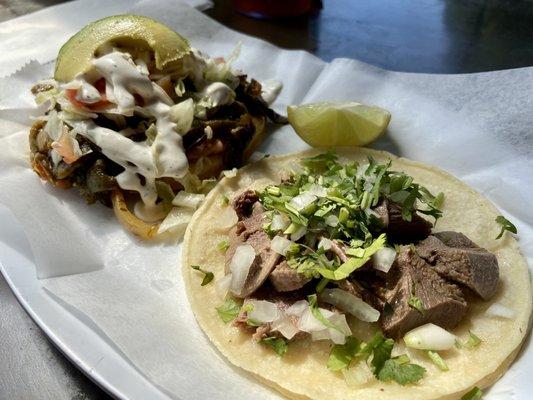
(142, 163)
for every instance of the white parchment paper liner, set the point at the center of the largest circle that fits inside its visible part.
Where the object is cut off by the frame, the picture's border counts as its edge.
(478, 127)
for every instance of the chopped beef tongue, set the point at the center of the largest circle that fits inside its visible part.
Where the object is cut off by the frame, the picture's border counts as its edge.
(243, 203)
(286, 279)
(455, 257)
(249, 230)
(398, 229)
(355, 288)
(443, 302)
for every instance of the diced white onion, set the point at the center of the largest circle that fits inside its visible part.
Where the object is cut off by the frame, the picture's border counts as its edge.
(208, 132)
(325, 243)
(317, 190)
(240, 266)
(383, 259)
(297, 309)
(308, 323)
(351, 304)
(500, 311)
(188, 200)
(429, 337)
(320, 332)
(176, 221)
(332, 220)
(369, 211)
(222, 285)
(230, 173)
(280, 245)
(361, 168)
(302, 200)
(280, 222)
(299, 233)
(339, 320)
(286, 327)
(263, 311)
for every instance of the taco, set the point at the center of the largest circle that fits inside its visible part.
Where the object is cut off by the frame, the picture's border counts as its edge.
(358, 275)
(137, 119)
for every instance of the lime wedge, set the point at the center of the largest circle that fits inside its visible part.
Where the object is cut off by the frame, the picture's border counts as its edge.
(338, 124)
(128, 31)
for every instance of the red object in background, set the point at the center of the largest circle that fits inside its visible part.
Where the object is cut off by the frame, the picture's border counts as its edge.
(274, 8)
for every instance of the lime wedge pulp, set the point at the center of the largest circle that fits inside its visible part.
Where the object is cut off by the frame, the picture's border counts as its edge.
(338, 124)
(129, 30)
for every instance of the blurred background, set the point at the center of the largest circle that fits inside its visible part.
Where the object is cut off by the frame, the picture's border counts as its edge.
(436, 36)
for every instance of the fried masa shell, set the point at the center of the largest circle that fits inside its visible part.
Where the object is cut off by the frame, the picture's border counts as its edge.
(41, 165)
(302, 372)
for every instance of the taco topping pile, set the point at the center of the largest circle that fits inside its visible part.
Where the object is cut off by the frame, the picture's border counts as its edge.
(123, 120)
(334, 242)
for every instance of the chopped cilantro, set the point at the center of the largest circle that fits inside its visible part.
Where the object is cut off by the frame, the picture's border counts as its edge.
(474, 394)
(353, 263)
(313, 306)
(417, 304)
(385, 368)
(224, 201)
(472, 342)
(223, 245)
(165, 193)
(401, 373)
(321, 285)
(506, 226)
(437, 360)
(342, 354)
(381, 353)
(229, 310)
(208, 276)
(279, 345)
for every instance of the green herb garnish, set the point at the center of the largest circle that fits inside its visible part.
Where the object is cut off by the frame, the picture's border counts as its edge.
(341, 355)
(384, 367)
(403, 374)
(208, 276)
(342, 210)
(437, 360)
(474, 394)
(417, 304)
(353, 263)
(229, 310)
(313, 306)
(279, 345)
(224, 201)
(472, 342)
(506, 226)
(223, 245)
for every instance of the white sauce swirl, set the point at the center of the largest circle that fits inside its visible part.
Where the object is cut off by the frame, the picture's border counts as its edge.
(142, 163)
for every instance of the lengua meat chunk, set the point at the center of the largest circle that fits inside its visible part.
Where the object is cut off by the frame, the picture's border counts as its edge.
(249, 230)
(286, 279)
(398, 229)
(412, 278)
(455, 257)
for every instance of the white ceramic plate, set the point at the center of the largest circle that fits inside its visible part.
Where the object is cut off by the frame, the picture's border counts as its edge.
(98, 359)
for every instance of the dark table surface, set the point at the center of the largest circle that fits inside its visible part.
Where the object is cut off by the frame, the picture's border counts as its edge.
(446, 36)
